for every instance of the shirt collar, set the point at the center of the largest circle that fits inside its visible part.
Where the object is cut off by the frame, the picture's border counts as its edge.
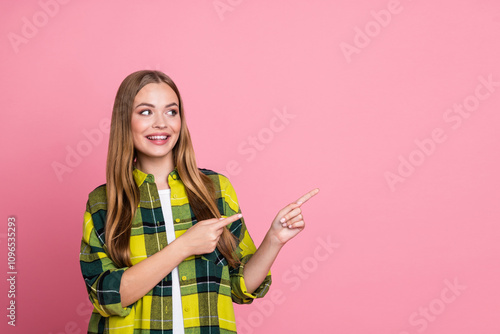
(140, 176)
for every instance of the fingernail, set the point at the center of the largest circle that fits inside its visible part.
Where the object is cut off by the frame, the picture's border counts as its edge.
(299, 202)
(284, 225)
(289, 226)
(282, 220)
(240, 215)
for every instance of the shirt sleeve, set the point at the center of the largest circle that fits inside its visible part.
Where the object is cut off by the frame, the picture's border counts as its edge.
(102, 277)
(245, 249)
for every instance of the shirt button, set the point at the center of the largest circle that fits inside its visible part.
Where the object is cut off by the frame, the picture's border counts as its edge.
(184, 278)
(174, 196)
(174, 177)
(177, 220)
(186, 309)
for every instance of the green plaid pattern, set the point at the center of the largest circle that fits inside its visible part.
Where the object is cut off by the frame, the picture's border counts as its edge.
(208, 285)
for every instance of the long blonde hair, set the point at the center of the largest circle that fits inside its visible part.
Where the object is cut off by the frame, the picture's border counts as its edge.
(122, 191)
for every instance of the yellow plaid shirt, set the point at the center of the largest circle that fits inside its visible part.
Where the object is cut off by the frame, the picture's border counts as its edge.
(208, 285)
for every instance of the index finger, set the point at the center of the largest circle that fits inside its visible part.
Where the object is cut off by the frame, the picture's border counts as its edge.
(307, 196)
(228, 220)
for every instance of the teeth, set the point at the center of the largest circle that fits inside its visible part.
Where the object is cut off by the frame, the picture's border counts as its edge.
(157, 137)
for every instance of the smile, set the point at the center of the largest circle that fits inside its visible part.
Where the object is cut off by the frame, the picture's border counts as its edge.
(157, 137)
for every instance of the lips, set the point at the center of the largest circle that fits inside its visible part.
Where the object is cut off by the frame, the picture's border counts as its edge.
(158, 138)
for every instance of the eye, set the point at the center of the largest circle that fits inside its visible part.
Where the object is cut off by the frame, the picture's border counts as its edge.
(145, 112)
(172, 112)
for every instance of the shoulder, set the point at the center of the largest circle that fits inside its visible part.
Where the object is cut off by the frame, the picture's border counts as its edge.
(208, 172)
(224, 189)
(98, 191)
(227, 200)
(97, 198)
(219, 179)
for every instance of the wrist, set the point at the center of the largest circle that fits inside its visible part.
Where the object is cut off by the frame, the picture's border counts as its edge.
(178, 247)
(273, 240)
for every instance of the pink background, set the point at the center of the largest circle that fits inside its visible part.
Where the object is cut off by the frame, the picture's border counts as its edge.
(360, 82)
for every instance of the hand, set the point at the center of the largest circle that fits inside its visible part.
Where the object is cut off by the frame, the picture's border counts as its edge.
(203, 237)
(289, 221)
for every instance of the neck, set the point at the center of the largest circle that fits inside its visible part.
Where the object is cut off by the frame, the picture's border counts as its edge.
(160, 168)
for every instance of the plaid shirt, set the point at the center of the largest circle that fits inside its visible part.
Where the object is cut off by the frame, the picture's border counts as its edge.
(208, 285)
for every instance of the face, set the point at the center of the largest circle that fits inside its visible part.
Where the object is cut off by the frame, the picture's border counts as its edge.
(156, 123)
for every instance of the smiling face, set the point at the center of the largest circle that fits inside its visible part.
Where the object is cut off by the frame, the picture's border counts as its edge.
(155, 123)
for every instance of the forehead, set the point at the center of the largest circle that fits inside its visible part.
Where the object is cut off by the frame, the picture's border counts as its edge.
(160, 92)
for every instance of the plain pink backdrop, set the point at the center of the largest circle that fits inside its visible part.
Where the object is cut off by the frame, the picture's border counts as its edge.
(362, 85)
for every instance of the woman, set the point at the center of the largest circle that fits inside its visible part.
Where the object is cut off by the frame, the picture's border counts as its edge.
(156, 196)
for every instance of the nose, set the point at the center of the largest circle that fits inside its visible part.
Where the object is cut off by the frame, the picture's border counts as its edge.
(159, 122)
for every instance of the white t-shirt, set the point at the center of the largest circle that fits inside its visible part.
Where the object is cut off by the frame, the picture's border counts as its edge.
(178, 319)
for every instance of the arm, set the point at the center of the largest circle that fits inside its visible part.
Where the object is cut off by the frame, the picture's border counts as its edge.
(142, 277)
(287, 224)
(102, 277)
(199, 239)
(111, 289)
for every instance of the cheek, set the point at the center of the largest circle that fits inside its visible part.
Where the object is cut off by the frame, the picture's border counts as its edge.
(137, 130)
(177, 126)
(137, 126)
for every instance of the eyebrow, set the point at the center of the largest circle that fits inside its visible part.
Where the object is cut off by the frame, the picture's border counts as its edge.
(152, 105)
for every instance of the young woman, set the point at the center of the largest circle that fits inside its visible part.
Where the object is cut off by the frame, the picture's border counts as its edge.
(165, 248)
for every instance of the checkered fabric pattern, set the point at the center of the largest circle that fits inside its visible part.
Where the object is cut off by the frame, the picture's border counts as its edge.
(208, 285)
